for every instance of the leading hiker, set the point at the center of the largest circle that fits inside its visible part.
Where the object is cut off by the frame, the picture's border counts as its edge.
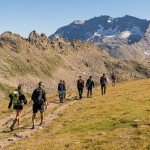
(18, 99)
(39, 100)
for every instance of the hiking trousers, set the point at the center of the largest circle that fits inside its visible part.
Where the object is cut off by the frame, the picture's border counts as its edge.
(103, 89)
(80, 90)
(89, 92)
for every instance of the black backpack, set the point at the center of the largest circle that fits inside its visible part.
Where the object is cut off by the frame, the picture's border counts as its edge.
(37, 96)
(103, 81)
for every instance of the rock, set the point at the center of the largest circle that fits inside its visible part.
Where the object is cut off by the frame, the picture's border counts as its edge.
(19, 135)
(102, 133)
(10, 139)
(40, 128)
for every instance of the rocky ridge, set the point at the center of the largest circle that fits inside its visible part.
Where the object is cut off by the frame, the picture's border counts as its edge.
(40, 58)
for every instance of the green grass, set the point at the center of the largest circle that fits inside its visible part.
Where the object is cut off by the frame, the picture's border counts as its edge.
(119, 120)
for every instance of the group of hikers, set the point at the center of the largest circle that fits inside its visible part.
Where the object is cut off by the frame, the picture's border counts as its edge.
(18, 99)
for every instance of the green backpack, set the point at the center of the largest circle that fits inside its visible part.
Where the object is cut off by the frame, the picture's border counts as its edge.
(15, 95)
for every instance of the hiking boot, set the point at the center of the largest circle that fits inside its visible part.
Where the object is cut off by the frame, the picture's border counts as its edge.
(33, 127)
(11, 128)
(41, 124)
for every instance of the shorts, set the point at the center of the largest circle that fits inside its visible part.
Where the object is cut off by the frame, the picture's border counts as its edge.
(38, 107)
(18, 107)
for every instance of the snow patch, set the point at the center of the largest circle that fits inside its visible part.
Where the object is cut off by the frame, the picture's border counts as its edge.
(107, 32)
(110, 20)
(125, 34)
(96, 34)
(79, 22)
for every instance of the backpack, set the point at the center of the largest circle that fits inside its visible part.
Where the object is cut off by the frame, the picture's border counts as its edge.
(103, 81)
(113, 77)
(37, 96)
(15, 98)
(80, 83)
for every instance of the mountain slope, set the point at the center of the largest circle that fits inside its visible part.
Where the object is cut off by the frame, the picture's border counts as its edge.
(39, 58)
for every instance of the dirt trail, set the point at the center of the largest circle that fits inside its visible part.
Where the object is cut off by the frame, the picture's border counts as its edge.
(49, 118)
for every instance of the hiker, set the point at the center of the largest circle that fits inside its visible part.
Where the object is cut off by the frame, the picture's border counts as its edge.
(89, 86)
(61, 90)
(113, 79)
(64, 85)
(103, 82)
(18, 99)
(39, 101)
(80, 86)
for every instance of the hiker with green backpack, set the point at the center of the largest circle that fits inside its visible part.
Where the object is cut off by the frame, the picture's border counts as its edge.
(39, 102)
(18, 99)
(89, 86)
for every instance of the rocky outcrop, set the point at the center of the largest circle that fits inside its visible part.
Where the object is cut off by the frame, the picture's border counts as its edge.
(39, 58)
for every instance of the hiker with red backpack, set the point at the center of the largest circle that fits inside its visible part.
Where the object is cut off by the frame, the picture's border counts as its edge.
(18, 99)
(113, 79)
(39, 101)
(80, 86)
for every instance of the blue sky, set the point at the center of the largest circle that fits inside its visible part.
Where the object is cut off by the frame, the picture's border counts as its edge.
(46, 16)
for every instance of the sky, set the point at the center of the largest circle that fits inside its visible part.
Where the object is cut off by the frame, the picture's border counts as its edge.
(46, 16)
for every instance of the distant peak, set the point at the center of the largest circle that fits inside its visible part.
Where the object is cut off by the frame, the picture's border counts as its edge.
(79, 22)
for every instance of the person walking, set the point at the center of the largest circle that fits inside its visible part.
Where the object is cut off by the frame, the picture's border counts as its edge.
(113, 79)
(61, 90)
(89, 86)
(103, 83)
(39, 101)
(18, 99)
(64, 85)
(80, 86)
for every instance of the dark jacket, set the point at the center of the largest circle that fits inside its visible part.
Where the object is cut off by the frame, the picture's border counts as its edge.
(61, 87)
(103, 81)
(21, 98)
(38, 93)
(89, 83)
(80, 84)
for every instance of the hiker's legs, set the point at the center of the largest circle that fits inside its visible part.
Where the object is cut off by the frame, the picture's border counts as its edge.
(64, 95)
(18, 113)
(18, 116)
(35, 110)
(90, 92)
(42, 117)
(113, 83)
(79, 90)
(33, 120)
(104, 89)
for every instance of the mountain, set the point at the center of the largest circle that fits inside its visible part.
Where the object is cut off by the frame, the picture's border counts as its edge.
(108, 32)
(39, 58)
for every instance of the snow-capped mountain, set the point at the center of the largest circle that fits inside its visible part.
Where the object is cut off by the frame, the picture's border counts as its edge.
(106, 31)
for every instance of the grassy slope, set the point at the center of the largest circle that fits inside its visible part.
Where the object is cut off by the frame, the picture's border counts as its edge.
(118, 120)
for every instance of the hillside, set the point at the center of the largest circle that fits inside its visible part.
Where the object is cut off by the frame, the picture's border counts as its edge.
(39, 58)
(118, 35)
(119, 120)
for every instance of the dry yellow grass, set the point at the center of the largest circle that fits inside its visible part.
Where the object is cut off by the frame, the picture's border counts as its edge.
(119, 120)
